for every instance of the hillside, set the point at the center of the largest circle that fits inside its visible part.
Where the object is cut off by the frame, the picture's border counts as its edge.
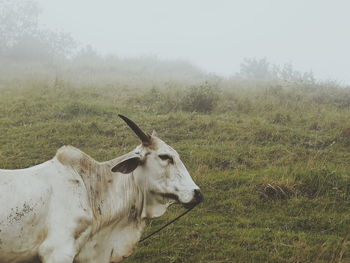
(272, 160)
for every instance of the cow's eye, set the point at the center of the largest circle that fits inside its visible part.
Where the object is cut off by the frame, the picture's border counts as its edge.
(165, 157)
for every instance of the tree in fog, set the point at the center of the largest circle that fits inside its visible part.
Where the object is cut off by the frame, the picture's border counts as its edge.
(255, 69)
(287, 73)
(261, 70)
(21, 38)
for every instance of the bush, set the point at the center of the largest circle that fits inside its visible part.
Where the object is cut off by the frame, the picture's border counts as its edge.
(202, 98)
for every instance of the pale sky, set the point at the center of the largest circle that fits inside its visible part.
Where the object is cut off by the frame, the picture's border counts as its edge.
(215, 35)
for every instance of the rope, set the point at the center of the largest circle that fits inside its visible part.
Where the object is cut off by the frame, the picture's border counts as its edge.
(167, 224)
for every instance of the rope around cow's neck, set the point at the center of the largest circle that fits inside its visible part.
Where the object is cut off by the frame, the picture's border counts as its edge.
(167, 224)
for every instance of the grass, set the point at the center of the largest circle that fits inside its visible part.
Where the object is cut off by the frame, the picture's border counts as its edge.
(273, 162)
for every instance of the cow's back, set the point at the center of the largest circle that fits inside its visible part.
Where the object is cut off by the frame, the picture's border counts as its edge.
(41, 209)
(24, 204)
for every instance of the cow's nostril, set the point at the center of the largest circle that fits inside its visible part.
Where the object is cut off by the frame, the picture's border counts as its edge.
(198, 195)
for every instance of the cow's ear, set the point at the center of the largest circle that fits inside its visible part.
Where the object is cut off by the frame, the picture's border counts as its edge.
(127, 166)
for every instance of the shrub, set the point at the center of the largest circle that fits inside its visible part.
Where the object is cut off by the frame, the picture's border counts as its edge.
(202, 98)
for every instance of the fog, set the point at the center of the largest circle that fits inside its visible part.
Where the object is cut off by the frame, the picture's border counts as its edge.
(188, 41)
(213, 35)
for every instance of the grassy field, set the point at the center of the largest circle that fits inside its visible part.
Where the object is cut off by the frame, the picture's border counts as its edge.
(272, 161)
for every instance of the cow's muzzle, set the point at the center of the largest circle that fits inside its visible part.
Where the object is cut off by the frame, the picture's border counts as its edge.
(197, 199)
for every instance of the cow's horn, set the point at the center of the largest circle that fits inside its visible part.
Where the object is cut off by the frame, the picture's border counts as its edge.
(146, 139)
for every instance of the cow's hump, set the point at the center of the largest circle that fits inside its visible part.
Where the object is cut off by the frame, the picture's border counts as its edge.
(69, 155)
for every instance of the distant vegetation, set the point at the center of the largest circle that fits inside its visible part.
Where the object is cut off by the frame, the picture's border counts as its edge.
(269, 146)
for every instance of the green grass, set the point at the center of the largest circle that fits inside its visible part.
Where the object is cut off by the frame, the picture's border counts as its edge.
(272, 162)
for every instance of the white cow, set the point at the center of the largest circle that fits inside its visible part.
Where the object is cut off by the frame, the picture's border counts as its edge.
(75, 209)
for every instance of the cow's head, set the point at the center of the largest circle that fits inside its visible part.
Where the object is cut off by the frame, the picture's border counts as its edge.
(157, 167)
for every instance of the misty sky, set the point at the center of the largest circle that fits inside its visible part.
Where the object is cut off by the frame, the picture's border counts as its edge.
(214, 35)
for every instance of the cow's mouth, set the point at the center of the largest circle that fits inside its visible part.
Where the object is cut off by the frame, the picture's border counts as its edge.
(171, 196)
(197, 199)
(176, 198)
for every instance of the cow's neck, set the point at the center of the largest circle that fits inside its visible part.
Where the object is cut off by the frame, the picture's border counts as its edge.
(138, 202)
(115, 197)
